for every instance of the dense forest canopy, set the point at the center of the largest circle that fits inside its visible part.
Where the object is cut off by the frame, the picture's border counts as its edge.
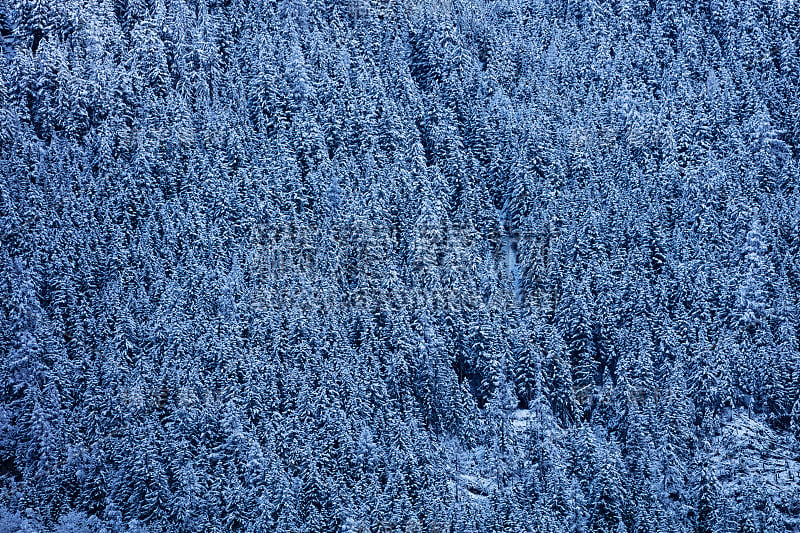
(400, 266)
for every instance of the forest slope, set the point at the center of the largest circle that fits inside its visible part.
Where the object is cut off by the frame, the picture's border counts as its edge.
(311, 265)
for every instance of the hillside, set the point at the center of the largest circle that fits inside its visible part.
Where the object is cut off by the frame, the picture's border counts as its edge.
(313, 265)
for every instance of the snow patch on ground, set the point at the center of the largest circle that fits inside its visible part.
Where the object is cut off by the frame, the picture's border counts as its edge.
(520, 418)
(476, 487)
(747, 447)
(748, 453)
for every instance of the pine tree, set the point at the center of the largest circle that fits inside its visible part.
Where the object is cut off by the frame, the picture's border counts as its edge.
(607, 493)
(707, 494)
(711, 387)
(558, 380)
(753, 297)
(527, 365)
(675, 439)
(580, 347)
